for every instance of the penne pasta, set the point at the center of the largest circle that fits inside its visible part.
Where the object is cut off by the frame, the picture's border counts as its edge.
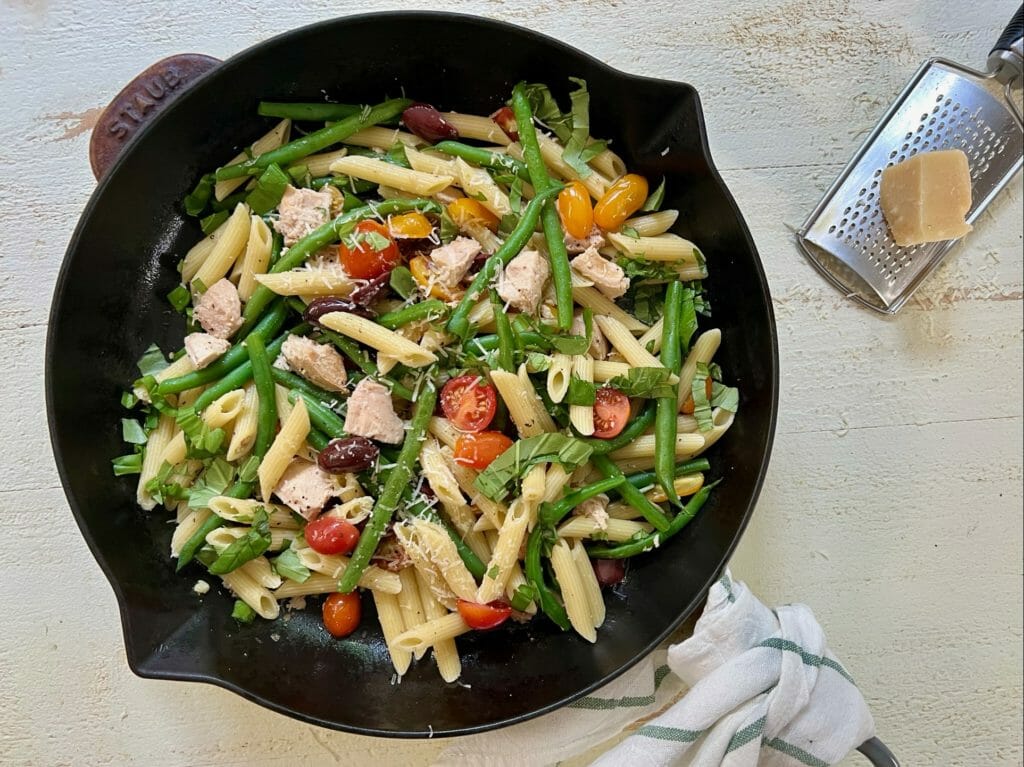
(308, 283)
(377, 137)
(551, 151)
(427, 162)
(477, 127)
(574, 594)
(272, 139)
(243, 435)
(559, 373)
(241, 511)
(380, 172)
(410, 604)
(609, 164)
(258, 597)
(702, 352)
(430, 633)
(225, 409)
(318, 165)
(594, 299)
(588, 580)
(524, 407)
(389, 613)
(622, 340)
(644, 446)
(652, 224)
(283, 449)
(582, 416)
(613, 529)
(227, 249)
(722, 420)
(477, 183)
(380, 338)
(446, 655)
(199, 252)
(187, 527)
(506, 551)
(157, 442)
(664, 247)
(256, 258)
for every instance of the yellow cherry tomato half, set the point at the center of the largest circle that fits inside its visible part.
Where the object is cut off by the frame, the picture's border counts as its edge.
(466, 210)
(620, 201)
(410, 226)
(575, 210)
(419, 266)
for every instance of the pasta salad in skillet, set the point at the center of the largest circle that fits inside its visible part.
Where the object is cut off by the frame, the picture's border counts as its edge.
(447, 362)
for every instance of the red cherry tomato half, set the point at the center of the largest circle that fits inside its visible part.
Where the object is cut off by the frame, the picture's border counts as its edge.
(483, 617)
(342, 613)
(469, 402)
(478, 449)
(611, 412)
(609, 571)
(331, 535)
(506, 120)
(368, 251)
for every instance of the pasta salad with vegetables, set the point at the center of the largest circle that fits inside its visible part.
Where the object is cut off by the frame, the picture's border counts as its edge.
(447, 362)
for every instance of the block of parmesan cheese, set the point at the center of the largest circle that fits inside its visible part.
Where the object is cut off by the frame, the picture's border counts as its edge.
(925, 198)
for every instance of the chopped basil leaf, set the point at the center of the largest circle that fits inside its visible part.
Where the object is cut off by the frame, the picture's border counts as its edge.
(507, 224)
(515, 194)
(179, 298)
(152, 361)
(569, 344)
(537, 362)
(725, 397)
(242, 613)
(401, 282)
(375, 240)
(132, 432)
(211, 483)
(198, 286)
(202, 441)
(246, 548)
(494, 572)
(448, 229)
(522, 597)
(687, 319)
(630, 232)
(247, 471)
(655, 199)
(299, 174)
(495, 480)
(162, 489)
(396, 155)
(580, 392)
(648, 302)
(545, 110)
(644, 382)
(269, 190)
(127, 464)
(129, 400)
(579, 149)
(638, 269)
(211, 222)
(200, 196)
(701, 405)
(288, 566)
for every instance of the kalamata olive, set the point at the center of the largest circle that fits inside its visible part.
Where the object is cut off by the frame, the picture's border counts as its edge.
(507, 122)
(318, 307)
(427, 123)
(608, 571)
(410, 247)
(369, 292)
(347, 454)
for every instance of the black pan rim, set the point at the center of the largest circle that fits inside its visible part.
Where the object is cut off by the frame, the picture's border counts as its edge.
(224, 70)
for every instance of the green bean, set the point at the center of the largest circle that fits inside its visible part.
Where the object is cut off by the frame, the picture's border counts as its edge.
(231, 359)
(276, 246)
(650, 510)
(292, 381)
(317, 439)
(561, 275)
(644, 480)
(322, 236)
(345, 183)
(241, 375)
(458, 323)
(488, 159)
(198, 539)
(429, 309)
(320, 416)
(553, 513)
(307, 112)
(534, 573)
(636, 427)
(362, 360)
(653, 540)
(266, 422)
(506, 340)
(668, 407)
(472, 562)
(314, 142)
(391, 493)
(491, 342)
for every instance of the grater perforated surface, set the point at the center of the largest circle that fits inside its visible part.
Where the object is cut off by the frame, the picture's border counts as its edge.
(944, 107)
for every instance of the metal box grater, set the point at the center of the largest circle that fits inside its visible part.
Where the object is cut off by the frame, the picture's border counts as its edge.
(944, 106)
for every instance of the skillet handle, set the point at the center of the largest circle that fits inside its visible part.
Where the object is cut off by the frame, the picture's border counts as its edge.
(139, 102)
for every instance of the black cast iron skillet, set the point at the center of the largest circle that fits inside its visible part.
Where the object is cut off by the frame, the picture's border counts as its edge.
(109, 305)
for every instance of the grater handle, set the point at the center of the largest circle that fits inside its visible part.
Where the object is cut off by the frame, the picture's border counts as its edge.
(1006, 59)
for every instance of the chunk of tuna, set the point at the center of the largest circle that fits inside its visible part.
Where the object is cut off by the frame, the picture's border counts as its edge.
(219, 309)
(595, 508)
(606, 275)
(319, 364)
(305, 488)
(521, 283)
(593, 240)
(452, 261)
(371, 414)
(300, 212)
(598, 343)
(202, 348)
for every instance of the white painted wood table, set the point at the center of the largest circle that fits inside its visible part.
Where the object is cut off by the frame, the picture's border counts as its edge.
(893, 504)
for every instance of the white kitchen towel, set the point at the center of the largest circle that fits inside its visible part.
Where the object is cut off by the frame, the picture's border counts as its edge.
(764, 689)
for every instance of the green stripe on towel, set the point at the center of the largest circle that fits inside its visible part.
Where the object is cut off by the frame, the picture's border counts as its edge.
(808, 658)
(674, 734)
(797, 753)
(747, 734)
